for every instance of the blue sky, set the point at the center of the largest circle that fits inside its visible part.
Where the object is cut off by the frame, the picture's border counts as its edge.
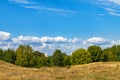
(59, 23)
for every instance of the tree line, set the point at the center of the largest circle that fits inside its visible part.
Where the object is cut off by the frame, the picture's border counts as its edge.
(25, 56)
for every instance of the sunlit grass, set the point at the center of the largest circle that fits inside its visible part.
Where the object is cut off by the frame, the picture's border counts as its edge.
(92, 71)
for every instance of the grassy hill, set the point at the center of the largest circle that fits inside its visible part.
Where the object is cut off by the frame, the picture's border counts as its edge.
(93, 71)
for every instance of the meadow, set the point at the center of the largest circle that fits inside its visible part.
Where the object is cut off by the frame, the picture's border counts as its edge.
(92, 71)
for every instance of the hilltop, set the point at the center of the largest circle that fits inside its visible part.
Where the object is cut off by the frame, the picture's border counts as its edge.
(92, 71)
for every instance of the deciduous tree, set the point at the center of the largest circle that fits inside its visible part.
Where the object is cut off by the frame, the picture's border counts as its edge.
(80, 56)
(95, 52)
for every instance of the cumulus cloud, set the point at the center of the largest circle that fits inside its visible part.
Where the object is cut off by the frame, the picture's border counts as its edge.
(50, 44)
(97, 41)
(26, 39)
(44, 44)
(4, 35)
(33, 39)
(51, 39)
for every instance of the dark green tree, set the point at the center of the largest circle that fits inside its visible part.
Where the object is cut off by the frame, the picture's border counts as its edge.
(39, 59)
(37, 53)
(1, 54)
(66, 60)
(80, 56)
(9, 56)
(57, 58)
(114, 51)
(96, 53)
(118, 53)
(49, 61)
(108, 55)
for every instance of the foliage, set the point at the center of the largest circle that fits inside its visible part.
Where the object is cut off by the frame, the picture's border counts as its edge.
(66, 60)
(108, 55)
(1, 54)
(116, 51)
(57, 58)
(9, 56)
(95, 52)
(26, 57)
(80, 56)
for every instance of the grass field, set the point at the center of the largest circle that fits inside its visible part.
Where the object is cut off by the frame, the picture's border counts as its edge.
(92, 71)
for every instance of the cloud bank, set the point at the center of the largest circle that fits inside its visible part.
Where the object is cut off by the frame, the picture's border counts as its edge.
(49, 44)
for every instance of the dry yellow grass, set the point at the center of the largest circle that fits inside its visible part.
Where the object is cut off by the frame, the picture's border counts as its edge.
(92, 71)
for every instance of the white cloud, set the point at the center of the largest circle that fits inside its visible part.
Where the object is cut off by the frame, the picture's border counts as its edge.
(111, 7)
(38, 7)
(75, 40)
(115, 1)
(31, 39)
(97, 41)
(58, 11)
(60, 39)
(50, 44)
(21, 1)
(4, 35)
(113, 11)
(24, 39)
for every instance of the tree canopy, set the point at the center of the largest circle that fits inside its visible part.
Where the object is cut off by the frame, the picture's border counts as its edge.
(80, 56)
(25, 56)
(95, 52)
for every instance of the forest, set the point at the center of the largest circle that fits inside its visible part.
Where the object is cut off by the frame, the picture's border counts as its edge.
(25, 56)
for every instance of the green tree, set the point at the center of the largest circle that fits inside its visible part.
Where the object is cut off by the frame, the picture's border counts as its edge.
(118, 53)
(114, 51)
(108, 55)
(66, 60)
(57, 58)
(9, 56)
(95, 52)
(24, 56)
(49, 61)
(39, 59)
(1, 54)
(80, 56)
(37, 53)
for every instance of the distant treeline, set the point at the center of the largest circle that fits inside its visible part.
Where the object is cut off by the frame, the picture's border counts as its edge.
(26, 57)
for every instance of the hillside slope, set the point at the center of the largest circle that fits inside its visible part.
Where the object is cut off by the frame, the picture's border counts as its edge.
(93, 71)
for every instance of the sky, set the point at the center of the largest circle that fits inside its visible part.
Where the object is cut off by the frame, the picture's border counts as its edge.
(47, 25)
